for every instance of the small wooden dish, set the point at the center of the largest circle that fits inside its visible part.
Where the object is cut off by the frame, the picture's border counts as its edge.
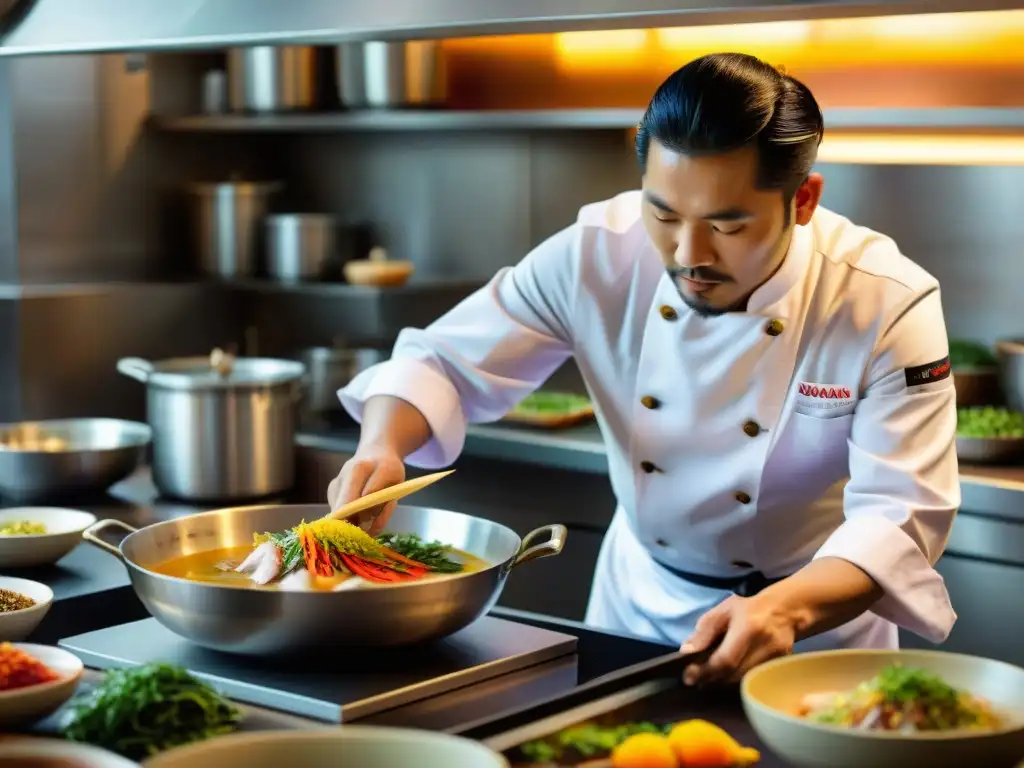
(549, 420)
(377, 270)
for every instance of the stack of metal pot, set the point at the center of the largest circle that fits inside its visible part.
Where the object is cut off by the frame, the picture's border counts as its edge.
(223, 428)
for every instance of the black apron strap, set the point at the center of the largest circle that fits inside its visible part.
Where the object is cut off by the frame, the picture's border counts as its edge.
(746, 585)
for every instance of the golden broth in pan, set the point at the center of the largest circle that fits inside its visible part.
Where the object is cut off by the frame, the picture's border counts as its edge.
(217, 566)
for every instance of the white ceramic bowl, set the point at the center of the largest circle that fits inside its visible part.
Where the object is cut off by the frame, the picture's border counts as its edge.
(17, 625)
(365, 746)
(61, 752)
(772, 693)
(63, 533)
(23, 706)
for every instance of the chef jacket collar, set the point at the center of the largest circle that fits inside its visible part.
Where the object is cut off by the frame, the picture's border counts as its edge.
(775, 298)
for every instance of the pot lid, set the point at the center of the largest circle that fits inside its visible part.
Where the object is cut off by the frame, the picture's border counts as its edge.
(217, 371)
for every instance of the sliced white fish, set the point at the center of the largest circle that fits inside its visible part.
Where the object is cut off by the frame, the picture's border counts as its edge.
(264, 564)
(352, 582)
(820, 700)
(298, 580)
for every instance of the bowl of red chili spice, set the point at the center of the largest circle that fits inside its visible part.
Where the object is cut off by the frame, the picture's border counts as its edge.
(35, 681)
(23, 605)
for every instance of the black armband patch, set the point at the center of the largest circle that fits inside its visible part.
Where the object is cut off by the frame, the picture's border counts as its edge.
(928, 373)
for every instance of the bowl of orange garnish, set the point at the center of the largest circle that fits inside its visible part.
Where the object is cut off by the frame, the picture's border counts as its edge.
(35, 681)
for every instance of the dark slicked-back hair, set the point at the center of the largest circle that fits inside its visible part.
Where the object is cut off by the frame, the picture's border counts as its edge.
(725, 101)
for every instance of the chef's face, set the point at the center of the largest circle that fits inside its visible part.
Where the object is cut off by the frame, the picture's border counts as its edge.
(720, 236)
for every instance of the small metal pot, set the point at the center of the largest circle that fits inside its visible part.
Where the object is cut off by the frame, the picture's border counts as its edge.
(328, 369)
(228, 217)
(220, 434)
(391, 74)
(268, 78)
(302, 246)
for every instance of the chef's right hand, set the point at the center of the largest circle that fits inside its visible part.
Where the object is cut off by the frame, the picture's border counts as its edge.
(371, 469)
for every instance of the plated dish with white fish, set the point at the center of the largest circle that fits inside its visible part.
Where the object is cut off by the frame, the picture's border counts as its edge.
(887, 709)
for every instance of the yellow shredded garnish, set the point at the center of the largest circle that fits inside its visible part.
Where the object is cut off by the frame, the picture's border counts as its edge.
(337, 535)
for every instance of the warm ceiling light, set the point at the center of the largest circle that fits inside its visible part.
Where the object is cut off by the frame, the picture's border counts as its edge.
(602, 42)
(921, 149)
(726, 36)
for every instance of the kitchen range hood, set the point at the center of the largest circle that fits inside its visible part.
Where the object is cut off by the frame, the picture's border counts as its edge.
(95, 26)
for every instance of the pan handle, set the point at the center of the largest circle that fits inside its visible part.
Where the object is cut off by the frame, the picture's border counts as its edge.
(529, 551)
(92, 535)
(136, 368)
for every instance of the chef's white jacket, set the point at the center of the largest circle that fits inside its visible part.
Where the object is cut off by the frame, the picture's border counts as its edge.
(820, 422)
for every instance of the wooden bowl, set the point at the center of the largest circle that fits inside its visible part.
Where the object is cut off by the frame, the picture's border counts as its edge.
(772, 694)
(977, 386)
(990, 450)
(385, 274)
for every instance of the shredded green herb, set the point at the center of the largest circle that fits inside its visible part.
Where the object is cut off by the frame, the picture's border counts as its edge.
(908, 684)
(141, 711)
(587, 741)
(432, 554)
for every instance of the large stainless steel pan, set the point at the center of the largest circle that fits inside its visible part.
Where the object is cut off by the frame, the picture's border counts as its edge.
(238, 619)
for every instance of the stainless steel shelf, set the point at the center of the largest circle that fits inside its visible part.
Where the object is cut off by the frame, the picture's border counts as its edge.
(416, 287)
(984, 118)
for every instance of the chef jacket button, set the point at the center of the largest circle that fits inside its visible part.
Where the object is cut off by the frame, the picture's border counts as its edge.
(668, 312)
(661, 543)
(742, 498)
(775, 327)
(650, 402)
(752, 428)
(741, 564)
(648, 466)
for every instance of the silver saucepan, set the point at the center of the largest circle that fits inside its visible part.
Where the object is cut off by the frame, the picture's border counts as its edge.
(239, 619)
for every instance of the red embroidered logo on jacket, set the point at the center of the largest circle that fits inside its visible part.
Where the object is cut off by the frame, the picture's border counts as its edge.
(824, 391)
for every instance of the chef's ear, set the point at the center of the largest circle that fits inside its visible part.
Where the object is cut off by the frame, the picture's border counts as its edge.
(807, 197)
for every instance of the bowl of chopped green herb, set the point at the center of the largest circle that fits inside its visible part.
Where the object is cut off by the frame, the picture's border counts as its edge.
(989, 435)
(23, 606)
(887, 709)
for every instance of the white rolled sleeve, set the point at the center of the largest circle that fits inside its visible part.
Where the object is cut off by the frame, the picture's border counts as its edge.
(476, 362)
(904, 487)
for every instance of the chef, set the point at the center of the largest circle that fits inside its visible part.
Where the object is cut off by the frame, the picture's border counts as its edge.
(771, 380)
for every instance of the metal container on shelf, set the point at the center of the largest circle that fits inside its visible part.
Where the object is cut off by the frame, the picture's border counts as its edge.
(1010, 357)
(46, 460)
(301, 246)
(391, 74)
(328, 369)
(228, 218)
(268, 78)
(223, 429)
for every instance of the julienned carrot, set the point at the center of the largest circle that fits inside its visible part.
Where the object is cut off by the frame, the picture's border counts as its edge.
(403, 559)
(308, 552)
(361, 568)
(381, 572)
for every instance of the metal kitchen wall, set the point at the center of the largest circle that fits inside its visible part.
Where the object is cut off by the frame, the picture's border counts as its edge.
(95, 192)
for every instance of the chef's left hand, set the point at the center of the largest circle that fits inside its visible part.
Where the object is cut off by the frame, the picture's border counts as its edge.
(752, 630)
